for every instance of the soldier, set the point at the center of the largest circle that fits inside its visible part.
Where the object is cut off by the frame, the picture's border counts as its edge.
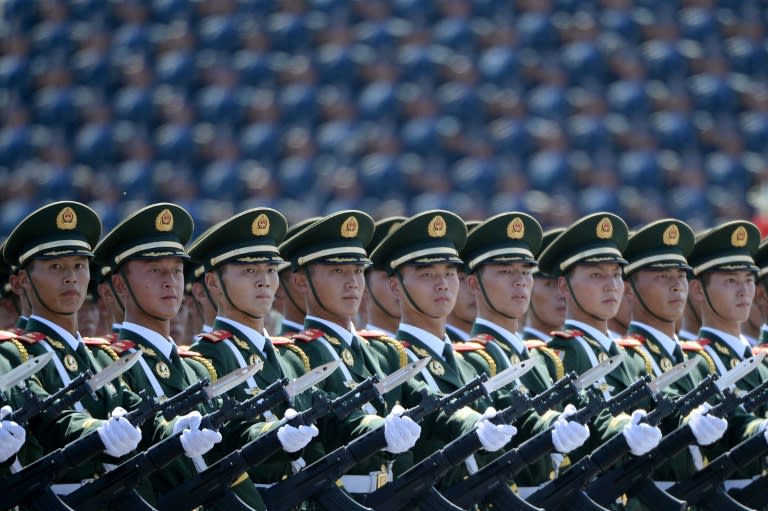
(587, 259)
(328, 261)
(240, 259)
(146, 254)
(462, 316)
(112, 307)
(546, 312)
(202, 305)
(52, 247)
(499, 259)
(382, 306)
(656, 289)
(288, 300)
(761, 291)
(9, 301)
(688, 327)
(421, 258)
(617, 325)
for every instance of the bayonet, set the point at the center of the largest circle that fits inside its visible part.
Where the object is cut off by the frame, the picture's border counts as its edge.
(594, 374)
(739, 371)
(508, 375)
(113, 370)
(398, 377)
(232, 379)
(310, 378)
(675, 373)
(23, 371)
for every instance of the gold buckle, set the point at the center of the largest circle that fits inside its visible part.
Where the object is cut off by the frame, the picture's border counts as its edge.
(382, 477)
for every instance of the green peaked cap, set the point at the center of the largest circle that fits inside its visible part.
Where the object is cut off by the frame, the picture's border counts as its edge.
(503, 238)
(728, 247)
(58, 229)
(659, 245)
(434, 236)
(596, 238)
(153, 232)
(339, 238)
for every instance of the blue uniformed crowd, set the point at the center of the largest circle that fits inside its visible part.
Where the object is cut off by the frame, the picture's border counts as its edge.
(424, 362)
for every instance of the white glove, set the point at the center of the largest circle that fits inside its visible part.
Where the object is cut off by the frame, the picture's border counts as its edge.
(493, 436)
(568, 435)
(401, 432)
(292, 438)
(12, 435)
(641, 438)
(118, 435)
(706, 428)
(194, 440)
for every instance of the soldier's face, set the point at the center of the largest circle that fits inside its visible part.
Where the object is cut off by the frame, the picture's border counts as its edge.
(664, 292)
(338, 290)
(730, 293)
(61, 284)
(466, 301)
(377, 284)
(251, 288)
(433, 288)
(507, 288)
(157, 285)
(548, 301)
(597, 290)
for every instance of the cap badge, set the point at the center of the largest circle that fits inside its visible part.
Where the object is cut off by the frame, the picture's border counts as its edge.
(437, 227)
(671, 235)
(349, 227)
(260, 226)
(605, 229)
(516, 229)
(739, 237)
(164, 221)
(66, 220)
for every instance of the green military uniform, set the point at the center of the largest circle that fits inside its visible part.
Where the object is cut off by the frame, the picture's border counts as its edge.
(58, 230)
(154, 232)
(340, 238)
(596, 238)
(250, 237)
(428, 238)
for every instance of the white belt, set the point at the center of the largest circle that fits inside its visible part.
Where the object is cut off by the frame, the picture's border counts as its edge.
(727, 484)
(67, 488)
(367, 483)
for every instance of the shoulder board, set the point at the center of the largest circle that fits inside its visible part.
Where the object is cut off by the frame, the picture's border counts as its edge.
(482, 339)
(308, 335)
(16, 330)
(111, 337)
(371, 334)
(280, 341)
(189, 353)
(216, 335)
(32, 337)
(534, 344)
(123, 345)
(96, 341)
(703, 342)
(467, 346)
(566, 334)
(405, 344)
(630, 342)
(691, 346)
(6, 335)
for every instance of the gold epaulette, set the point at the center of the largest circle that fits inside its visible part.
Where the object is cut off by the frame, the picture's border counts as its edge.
(216, 335)
(103, 344)
(482, 339)
(567, 334)
(308, 335)
(371, 334)
(300, 353)
(630, 341)
(541, 347)
(480, 350)
(399, 348)
(123, 345)
(280, 340)
(197, 357)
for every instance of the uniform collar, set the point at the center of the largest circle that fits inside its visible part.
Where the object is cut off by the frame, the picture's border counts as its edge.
(510, 338)
(72, 341)
(253, 336)
(737, 344)
(341, 332)
(160, 343)
(601, 337)
(431, 341)
(666, 342)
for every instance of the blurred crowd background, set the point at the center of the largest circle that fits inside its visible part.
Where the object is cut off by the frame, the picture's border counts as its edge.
(648, 108)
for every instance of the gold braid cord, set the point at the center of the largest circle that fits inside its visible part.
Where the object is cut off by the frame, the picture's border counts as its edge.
(23, 353)
(488, 360)
(550, 354)
(646, 358)
(402, 355)
(112, 353)
(300, 353)
(208, 366)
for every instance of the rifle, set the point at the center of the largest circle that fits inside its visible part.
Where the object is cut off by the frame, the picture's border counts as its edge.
(753, 494)
(698, 489)
(26, 485)
(489, 484)
(633, 476)
(416, 486)
(212, 486)
(317, 481)
(110, 489)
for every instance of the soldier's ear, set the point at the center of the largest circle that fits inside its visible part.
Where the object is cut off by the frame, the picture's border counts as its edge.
(696, 291)
(472, 283)
(211, 281)
(395, 286)
(299, 279)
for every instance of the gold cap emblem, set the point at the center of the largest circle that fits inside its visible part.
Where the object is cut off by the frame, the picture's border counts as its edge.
(66, 220)
(671, 236)
(739, 237)
(437, 227)
(349, 228)
(260, 225)
(516, 229)
(605, 229)
(164, 221)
